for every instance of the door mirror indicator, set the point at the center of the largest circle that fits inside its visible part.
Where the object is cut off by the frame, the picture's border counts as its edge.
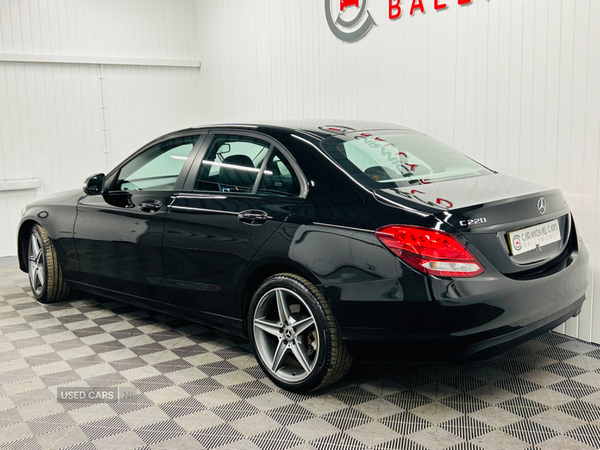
(94, 185)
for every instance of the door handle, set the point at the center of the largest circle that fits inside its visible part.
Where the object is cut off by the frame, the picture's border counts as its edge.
(253, 217)
(150, 207)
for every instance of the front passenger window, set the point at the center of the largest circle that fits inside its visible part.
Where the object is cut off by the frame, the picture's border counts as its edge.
(158, 168)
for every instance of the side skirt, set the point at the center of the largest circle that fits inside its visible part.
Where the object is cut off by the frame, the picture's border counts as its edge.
(224, 323)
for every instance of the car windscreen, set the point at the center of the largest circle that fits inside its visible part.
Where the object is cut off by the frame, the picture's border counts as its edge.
(381, 160)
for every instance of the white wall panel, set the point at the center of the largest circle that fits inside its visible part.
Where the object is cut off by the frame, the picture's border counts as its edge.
(134, 28)
(51, 121)
(147, 102)
(512, 83)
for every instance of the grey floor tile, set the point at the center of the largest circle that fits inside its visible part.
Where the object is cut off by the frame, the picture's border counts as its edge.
(558, 421)
(436, 413)
(499, 440)
(496, 417)
(563, 443)
(373, 433)
(202, 389)
(435, 438)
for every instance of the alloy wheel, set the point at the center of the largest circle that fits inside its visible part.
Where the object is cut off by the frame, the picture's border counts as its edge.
(36, 264)
(286, 335)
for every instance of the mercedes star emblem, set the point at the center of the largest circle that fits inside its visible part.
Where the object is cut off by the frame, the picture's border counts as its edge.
(541, 205)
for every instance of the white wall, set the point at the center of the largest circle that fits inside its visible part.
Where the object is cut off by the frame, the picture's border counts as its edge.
(51, 120)
(513, 83)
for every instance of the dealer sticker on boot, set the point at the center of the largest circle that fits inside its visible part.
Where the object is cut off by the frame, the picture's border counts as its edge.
(527, 239)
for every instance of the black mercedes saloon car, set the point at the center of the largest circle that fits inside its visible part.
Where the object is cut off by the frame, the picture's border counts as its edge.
(322, 242)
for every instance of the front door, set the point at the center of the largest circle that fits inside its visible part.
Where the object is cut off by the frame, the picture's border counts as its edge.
(118, 235)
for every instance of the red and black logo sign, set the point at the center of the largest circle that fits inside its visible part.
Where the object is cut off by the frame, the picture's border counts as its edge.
(353, 20)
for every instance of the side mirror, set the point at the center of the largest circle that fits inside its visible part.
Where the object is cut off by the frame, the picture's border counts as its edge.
(94, 185)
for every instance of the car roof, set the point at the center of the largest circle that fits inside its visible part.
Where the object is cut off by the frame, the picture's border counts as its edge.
(318, 128)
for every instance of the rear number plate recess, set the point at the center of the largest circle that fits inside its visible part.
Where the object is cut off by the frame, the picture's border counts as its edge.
(527, 239)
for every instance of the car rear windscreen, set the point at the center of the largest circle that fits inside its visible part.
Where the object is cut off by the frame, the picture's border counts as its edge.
(399, 158)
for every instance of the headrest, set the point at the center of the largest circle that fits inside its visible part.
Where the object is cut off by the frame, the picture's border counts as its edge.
(232, 172)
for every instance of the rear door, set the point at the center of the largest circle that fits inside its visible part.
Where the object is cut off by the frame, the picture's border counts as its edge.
(241, 189)
(118, 235)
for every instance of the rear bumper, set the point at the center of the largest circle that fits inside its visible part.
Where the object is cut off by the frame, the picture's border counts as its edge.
(491, 348)
(369, 347)
(417, 318)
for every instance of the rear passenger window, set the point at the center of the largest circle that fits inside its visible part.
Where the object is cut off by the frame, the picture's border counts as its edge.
(231, 164)
(279, 177)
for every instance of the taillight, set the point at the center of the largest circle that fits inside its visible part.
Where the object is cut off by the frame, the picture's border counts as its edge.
(430, 251)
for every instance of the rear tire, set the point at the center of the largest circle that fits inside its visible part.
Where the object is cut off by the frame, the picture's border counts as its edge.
(295, 336)
(46, 277)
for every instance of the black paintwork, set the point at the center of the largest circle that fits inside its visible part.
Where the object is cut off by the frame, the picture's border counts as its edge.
(193, 257)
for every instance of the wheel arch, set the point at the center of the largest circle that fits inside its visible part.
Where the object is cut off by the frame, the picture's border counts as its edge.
(24, 229)
(257, 275)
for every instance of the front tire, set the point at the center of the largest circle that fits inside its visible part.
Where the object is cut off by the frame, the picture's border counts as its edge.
(295, 337)
(46, 277)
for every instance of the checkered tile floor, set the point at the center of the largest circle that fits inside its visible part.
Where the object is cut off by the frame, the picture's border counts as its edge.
(201, 389)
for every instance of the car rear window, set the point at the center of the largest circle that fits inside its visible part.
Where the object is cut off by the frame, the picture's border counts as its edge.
(399, 158)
